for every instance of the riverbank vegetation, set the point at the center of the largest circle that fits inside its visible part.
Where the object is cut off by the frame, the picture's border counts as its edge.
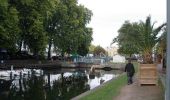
(37, 26)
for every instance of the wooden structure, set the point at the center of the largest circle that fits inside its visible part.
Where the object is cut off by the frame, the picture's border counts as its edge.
(148, 74)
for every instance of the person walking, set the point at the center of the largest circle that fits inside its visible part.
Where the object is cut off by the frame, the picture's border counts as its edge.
(129, 68)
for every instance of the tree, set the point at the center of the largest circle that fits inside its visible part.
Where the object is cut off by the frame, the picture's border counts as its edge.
(37, 38)
(9, 31)
(70, 29)
(91, 48)
(49, 22)
(99, 50)
(128, 49)
(85, 41)
(148, 38)
(161, 45)
(32, 24)
(127, 38)
(142, 37)
(160, 48)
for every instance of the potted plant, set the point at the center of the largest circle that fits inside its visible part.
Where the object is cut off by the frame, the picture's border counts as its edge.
(146, 41)
(140, 38)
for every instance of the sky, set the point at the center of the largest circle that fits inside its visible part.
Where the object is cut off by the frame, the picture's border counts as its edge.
(109, 15)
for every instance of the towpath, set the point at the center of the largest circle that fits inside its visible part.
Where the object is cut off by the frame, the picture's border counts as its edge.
(137, 92)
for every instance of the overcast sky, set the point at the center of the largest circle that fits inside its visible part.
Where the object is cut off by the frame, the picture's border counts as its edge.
(109, 15)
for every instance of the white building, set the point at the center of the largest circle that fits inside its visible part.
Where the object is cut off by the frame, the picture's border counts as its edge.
(119, 59)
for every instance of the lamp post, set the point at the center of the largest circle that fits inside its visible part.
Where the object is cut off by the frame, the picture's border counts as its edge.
(167, 91)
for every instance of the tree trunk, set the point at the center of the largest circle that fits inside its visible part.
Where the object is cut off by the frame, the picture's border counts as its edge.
(24, 45)
(20, 46)
(49, 49)
(35, 53)
(62, 54)
(130, 55)
(148, 58)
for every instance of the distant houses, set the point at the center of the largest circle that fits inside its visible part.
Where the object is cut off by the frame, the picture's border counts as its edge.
(119, 59)
(112, 50)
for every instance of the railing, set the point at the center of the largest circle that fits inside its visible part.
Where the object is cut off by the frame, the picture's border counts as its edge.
(94, 60)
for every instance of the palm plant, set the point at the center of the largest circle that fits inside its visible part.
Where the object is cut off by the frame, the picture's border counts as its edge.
(148, 37)
(161, 46)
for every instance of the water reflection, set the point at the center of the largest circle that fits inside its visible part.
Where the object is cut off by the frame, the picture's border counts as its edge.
(50, 85)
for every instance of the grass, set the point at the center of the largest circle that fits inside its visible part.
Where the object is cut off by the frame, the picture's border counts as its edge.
(110, 90)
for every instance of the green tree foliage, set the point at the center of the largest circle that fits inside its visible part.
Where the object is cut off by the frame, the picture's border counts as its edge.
(148, 38)
(9, 32)
(91, 48)
(32, 20)
(161, 45)
(32, 24)
(98, 50)
(126, 38)
(70, 32)
(84, 42)
(139, 37)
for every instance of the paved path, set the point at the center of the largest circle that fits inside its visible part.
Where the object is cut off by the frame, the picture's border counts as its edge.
(136, 92)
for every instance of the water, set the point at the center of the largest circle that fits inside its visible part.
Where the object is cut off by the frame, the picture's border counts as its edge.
(63, 84)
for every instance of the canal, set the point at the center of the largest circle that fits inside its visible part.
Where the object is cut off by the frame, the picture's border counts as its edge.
(60, 84)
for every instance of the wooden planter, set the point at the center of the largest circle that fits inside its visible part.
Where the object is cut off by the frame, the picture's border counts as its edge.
(148, 74)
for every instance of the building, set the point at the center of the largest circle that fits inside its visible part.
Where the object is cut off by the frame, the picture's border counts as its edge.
(119, 59)
(112, 50)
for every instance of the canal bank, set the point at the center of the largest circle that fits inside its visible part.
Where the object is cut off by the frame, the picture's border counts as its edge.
(117, 89)
(105, 91)
(33, 64)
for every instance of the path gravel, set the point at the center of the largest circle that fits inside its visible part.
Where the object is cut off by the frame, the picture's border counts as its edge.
(136, 92)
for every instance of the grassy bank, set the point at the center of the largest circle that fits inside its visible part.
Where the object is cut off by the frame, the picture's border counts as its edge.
(110, 90)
